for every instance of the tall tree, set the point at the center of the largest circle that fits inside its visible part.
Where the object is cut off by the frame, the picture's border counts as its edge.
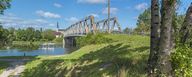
(4, 4)
(49, 35)
(143, 22)
(155, 24)
(127, 30)
(167, 13)
(186, 29)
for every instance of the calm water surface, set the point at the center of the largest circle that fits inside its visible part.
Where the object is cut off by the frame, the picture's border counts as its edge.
(40, 51)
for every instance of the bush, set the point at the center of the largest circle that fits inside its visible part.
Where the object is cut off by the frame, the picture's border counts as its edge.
(58, 40)
(92, 39)
(182, 61)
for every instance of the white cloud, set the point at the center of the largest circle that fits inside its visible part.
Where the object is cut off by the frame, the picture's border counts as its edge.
(41, 20)
(112, 10)
(141, 6)
(47, 14)
(51, 24)
(13, 21)
(72, 19)
(92, 1)
(58, 5)
(95, 15)
(135, 18)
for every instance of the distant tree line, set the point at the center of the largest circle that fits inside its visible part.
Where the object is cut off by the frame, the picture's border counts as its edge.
(7, 36)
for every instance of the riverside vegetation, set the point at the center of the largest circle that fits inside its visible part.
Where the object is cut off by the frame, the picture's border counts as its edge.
(121, 55)
(118, 55)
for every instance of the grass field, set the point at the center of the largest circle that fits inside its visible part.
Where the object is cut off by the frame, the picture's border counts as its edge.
(125, 57)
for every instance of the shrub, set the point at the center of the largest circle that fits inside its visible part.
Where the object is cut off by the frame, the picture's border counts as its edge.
(58, 40)
(182, 61)
(92, 39)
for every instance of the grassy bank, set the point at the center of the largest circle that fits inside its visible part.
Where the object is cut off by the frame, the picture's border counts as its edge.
(3, 66)
(126, 56)
(17, 57)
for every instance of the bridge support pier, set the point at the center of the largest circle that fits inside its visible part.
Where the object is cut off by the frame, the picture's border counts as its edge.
(70, 42)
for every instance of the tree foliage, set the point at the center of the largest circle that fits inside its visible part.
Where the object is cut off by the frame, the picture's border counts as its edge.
(3, 36)
(48, 35)
(4, 4)
(182, 61)
(29, 34)
(144, 21)
(127, 31)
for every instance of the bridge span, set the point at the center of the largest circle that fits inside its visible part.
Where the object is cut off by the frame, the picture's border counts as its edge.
(88, 25)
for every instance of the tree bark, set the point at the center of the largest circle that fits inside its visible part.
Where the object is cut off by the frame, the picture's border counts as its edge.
(164, 57)
(155, 24)
(186, 29)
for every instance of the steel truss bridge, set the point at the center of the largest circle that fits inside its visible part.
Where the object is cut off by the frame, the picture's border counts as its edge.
(88, 25)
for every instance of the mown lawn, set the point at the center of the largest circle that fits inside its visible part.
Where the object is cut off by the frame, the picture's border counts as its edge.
(125, 57)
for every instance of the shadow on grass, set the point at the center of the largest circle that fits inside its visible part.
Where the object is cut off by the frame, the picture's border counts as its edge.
(106, 61)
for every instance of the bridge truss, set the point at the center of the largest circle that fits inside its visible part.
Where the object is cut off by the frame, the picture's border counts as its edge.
(88, 25)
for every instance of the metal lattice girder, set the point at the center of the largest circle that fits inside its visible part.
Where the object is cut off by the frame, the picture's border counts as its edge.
(104, 22)
(88, 25)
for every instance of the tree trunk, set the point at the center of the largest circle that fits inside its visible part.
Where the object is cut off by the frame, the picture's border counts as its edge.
(164, 57)
(155, 24)
(186, 29)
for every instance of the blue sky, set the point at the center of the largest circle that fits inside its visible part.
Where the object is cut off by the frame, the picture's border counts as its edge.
(45, 13)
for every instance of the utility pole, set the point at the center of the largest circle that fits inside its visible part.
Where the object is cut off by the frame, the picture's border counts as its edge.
(108, 16)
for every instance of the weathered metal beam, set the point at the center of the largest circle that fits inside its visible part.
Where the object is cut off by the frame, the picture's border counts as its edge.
(88, 25)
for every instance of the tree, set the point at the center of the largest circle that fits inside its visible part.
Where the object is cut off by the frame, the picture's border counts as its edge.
(186, 29)
(164, 53)
(3, 36)
(37, 35)
(155, 24)
(4, 4)
(49, 35)
(12, 35)
(143, 22)
(127, 30)
(177, 23)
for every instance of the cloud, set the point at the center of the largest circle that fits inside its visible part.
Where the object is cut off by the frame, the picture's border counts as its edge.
(95, 15)
(112, 10)
(92, 1)
(57, 5)
(47, 14)
(135, 18)
(41, 20)
(13, 21)
(141, 6)
(51, 24)
(72, 19)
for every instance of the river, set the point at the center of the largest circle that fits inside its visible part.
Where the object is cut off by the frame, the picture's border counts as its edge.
(37, 52)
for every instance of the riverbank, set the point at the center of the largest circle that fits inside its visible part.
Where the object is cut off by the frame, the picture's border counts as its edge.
(125, 57)
(3, 65)
(13, 65)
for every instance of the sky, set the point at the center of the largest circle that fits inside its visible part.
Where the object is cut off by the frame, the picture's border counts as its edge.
(46, 13)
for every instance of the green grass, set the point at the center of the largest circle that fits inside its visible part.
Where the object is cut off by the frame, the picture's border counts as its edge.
(3, 66)
(125, 57)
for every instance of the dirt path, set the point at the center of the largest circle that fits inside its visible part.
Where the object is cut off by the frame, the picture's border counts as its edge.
(15, 69)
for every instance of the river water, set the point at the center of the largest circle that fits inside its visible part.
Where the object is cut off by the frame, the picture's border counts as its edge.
(37, 52)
